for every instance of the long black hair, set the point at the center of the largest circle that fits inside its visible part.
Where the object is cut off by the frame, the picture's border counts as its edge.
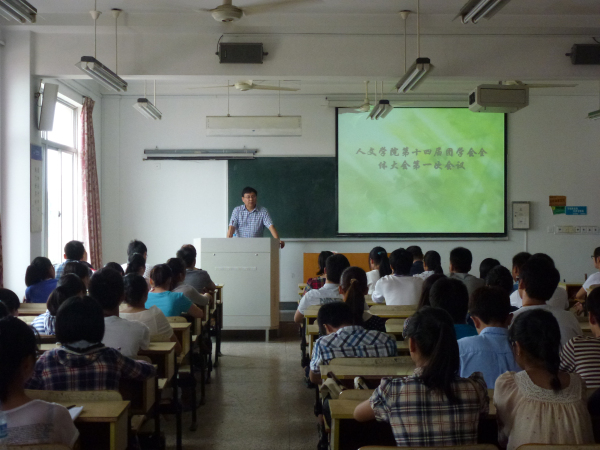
(380, 258)
(136, 289)
(69, 285)
(433, 261)
(17, 342)
(322, 260)
(39, 270)
(432, 329)
(354, 283)
(538, 333)
(135, 263)
(424, 299)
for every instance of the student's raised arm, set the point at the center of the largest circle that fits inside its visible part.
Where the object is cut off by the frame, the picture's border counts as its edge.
(195, 312)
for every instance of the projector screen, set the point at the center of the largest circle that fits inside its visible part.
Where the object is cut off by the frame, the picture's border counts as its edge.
(422, 172)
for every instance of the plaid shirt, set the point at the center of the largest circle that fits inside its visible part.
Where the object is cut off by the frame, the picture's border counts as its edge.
(351, 342)
(422, 417)
(96, 370)
(314, 283)
(250, 224)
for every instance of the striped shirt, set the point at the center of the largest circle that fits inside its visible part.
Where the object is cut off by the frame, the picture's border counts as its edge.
(250, 224)
(351, 342)
(45, 323)
(581, 355)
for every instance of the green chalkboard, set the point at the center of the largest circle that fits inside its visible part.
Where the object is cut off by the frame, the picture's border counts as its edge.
(300, 193)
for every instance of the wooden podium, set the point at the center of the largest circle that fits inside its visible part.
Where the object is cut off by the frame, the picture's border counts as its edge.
(248, 269)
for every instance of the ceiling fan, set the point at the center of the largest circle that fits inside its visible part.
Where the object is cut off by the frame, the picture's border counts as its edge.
(535, 85)
(248, 85)
(228, 12)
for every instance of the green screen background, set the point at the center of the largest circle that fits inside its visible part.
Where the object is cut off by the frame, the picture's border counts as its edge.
(375, 198)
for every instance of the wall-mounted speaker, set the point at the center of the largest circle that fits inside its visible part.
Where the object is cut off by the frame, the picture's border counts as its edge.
(48, 106)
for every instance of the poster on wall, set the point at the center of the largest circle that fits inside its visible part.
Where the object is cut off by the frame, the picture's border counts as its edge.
(36, 189)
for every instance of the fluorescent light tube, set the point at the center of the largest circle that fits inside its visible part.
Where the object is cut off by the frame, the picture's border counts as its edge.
(474, 10)
(594, 115)
(383, 104)
(101, 73)
(144, 106)
(414, 75)
(373, 112)
(388, 109)
(18, 10)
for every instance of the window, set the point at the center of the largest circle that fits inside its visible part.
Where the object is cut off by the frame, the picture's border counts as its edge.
(61, 175)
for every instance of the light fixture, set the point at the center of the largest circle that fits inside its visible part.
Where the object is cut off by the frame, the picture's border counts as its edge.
(146, 107)
(95, 69)
(414, 75)
(197, 154)
(382, 108)
(19, 10)
(474, 10)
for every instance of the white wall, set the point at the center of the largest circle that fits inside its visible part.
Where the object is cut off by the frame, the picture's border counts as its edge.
(552, 150)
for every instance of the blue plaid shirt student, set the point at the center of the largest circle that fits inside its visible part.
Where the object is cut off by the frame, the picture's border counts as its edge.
(351, 342)
(250, 224)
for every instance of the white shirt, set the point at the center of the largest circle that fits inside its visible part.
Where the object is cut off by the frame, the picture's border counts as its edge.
(329, 293)
(425, 274)
(372, 278)
(127, 336)
(568, 323)
(39, 422)
(592, 280)
(191, 293)
(398, 290)
(558, 300)
(154, 319)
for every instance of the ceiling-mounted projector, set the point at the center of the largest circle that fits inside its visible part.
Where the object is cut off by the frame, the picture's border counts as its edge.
(498, 98)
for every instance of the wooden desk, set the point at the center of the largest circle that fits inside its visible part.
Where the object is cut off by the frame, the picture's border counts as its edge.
(312, 312)
(27, 319)
(395, 327)
(32, 309)
(349, 372)
(312, 334)
(182, 331)
(162, 354)
(586, 328)
(102, 425)
(402, 348)
(393, 312)
(571, 288)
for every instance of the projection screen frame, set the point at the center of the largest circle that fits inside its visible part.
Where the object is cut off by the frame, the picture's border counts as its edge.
(424, 236)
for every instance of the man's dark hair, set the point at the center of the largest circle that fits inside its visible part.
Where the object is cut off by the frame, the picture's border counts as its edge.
(500, 277)
(451, 295)
(592, 303)
(416, 251)
(136, 246)
(539, 277)
(519, 259)
(188, 254)
(486, 265)
(106, 287)
(401, 261)
(177, 266)
(490, 304)
(136, 289)
(461, 259)
(249, 190)
(597, 252)
(78, 268)
(335, 265)
(115, 266)
(335, 314)
(74, 250)
(135, 263)
(79, 319)
(10, 300)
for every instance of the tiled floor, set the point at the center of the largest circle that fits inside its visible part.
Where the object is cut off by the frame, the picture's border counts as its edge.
(256, 400)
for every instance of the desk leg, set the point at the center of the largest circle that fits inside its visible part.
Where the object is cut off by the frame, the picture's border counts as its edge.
(219, 327)
(193, 427)
(177, 406)
(157, 413)
(334, 439)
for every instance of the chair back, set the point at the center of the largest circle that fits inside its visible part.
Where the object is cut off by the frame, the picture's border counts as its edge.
(39, 447)
(452, 447)
(74, 396)
(385, 361)
(558, 447)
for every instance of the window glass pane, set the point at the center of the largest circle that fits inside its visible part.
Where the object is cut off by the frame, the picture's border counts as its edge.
(63, 129)
(53, 180)
(67, 215)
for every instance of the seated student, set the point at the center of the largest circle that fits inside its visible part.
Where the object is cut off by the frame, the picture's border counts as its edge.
(540, 404)
(581, 354)
(486, 265)
(197, 278)
(178, 285)
(136, 294)
(83, 363)
(432, 264)
(344, 340)
(78, 269)
(334, 266)
(379, 264)
(30, 422)
(318, 281)
(11, 301)
(400, 288)
(593, 279)
(499, 276)
(424, 299)
(138, 247)
(74, 251)
(3, 311)
(418, 266)
(517, 262)
(490, 352)
(106, 287)
(40, 280)
(460, 264)
(136, 264)
(559, 297)
(69, 285)
(170, 303)
(538, 279)
(451, 295)
(353, 286)
(115, 266)
(435, 407)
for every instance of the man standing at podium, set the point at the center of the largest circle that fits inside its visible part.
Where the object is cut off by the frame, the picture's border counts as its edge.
(249, 220)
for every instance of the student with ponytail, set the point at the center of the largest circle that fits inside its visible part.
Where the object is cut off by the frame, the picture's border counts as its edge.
(540, 404)
(432, 265)
(353, 286)
(434, 407)
(380, 267)
(319, 281)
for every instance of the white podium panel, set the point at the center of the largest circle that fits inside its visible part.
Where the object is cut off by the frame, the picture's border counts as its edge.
(248, 269)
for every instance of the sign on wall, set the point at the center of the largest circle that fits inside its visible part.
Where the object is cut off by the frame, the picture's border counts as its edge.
(36, 189)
